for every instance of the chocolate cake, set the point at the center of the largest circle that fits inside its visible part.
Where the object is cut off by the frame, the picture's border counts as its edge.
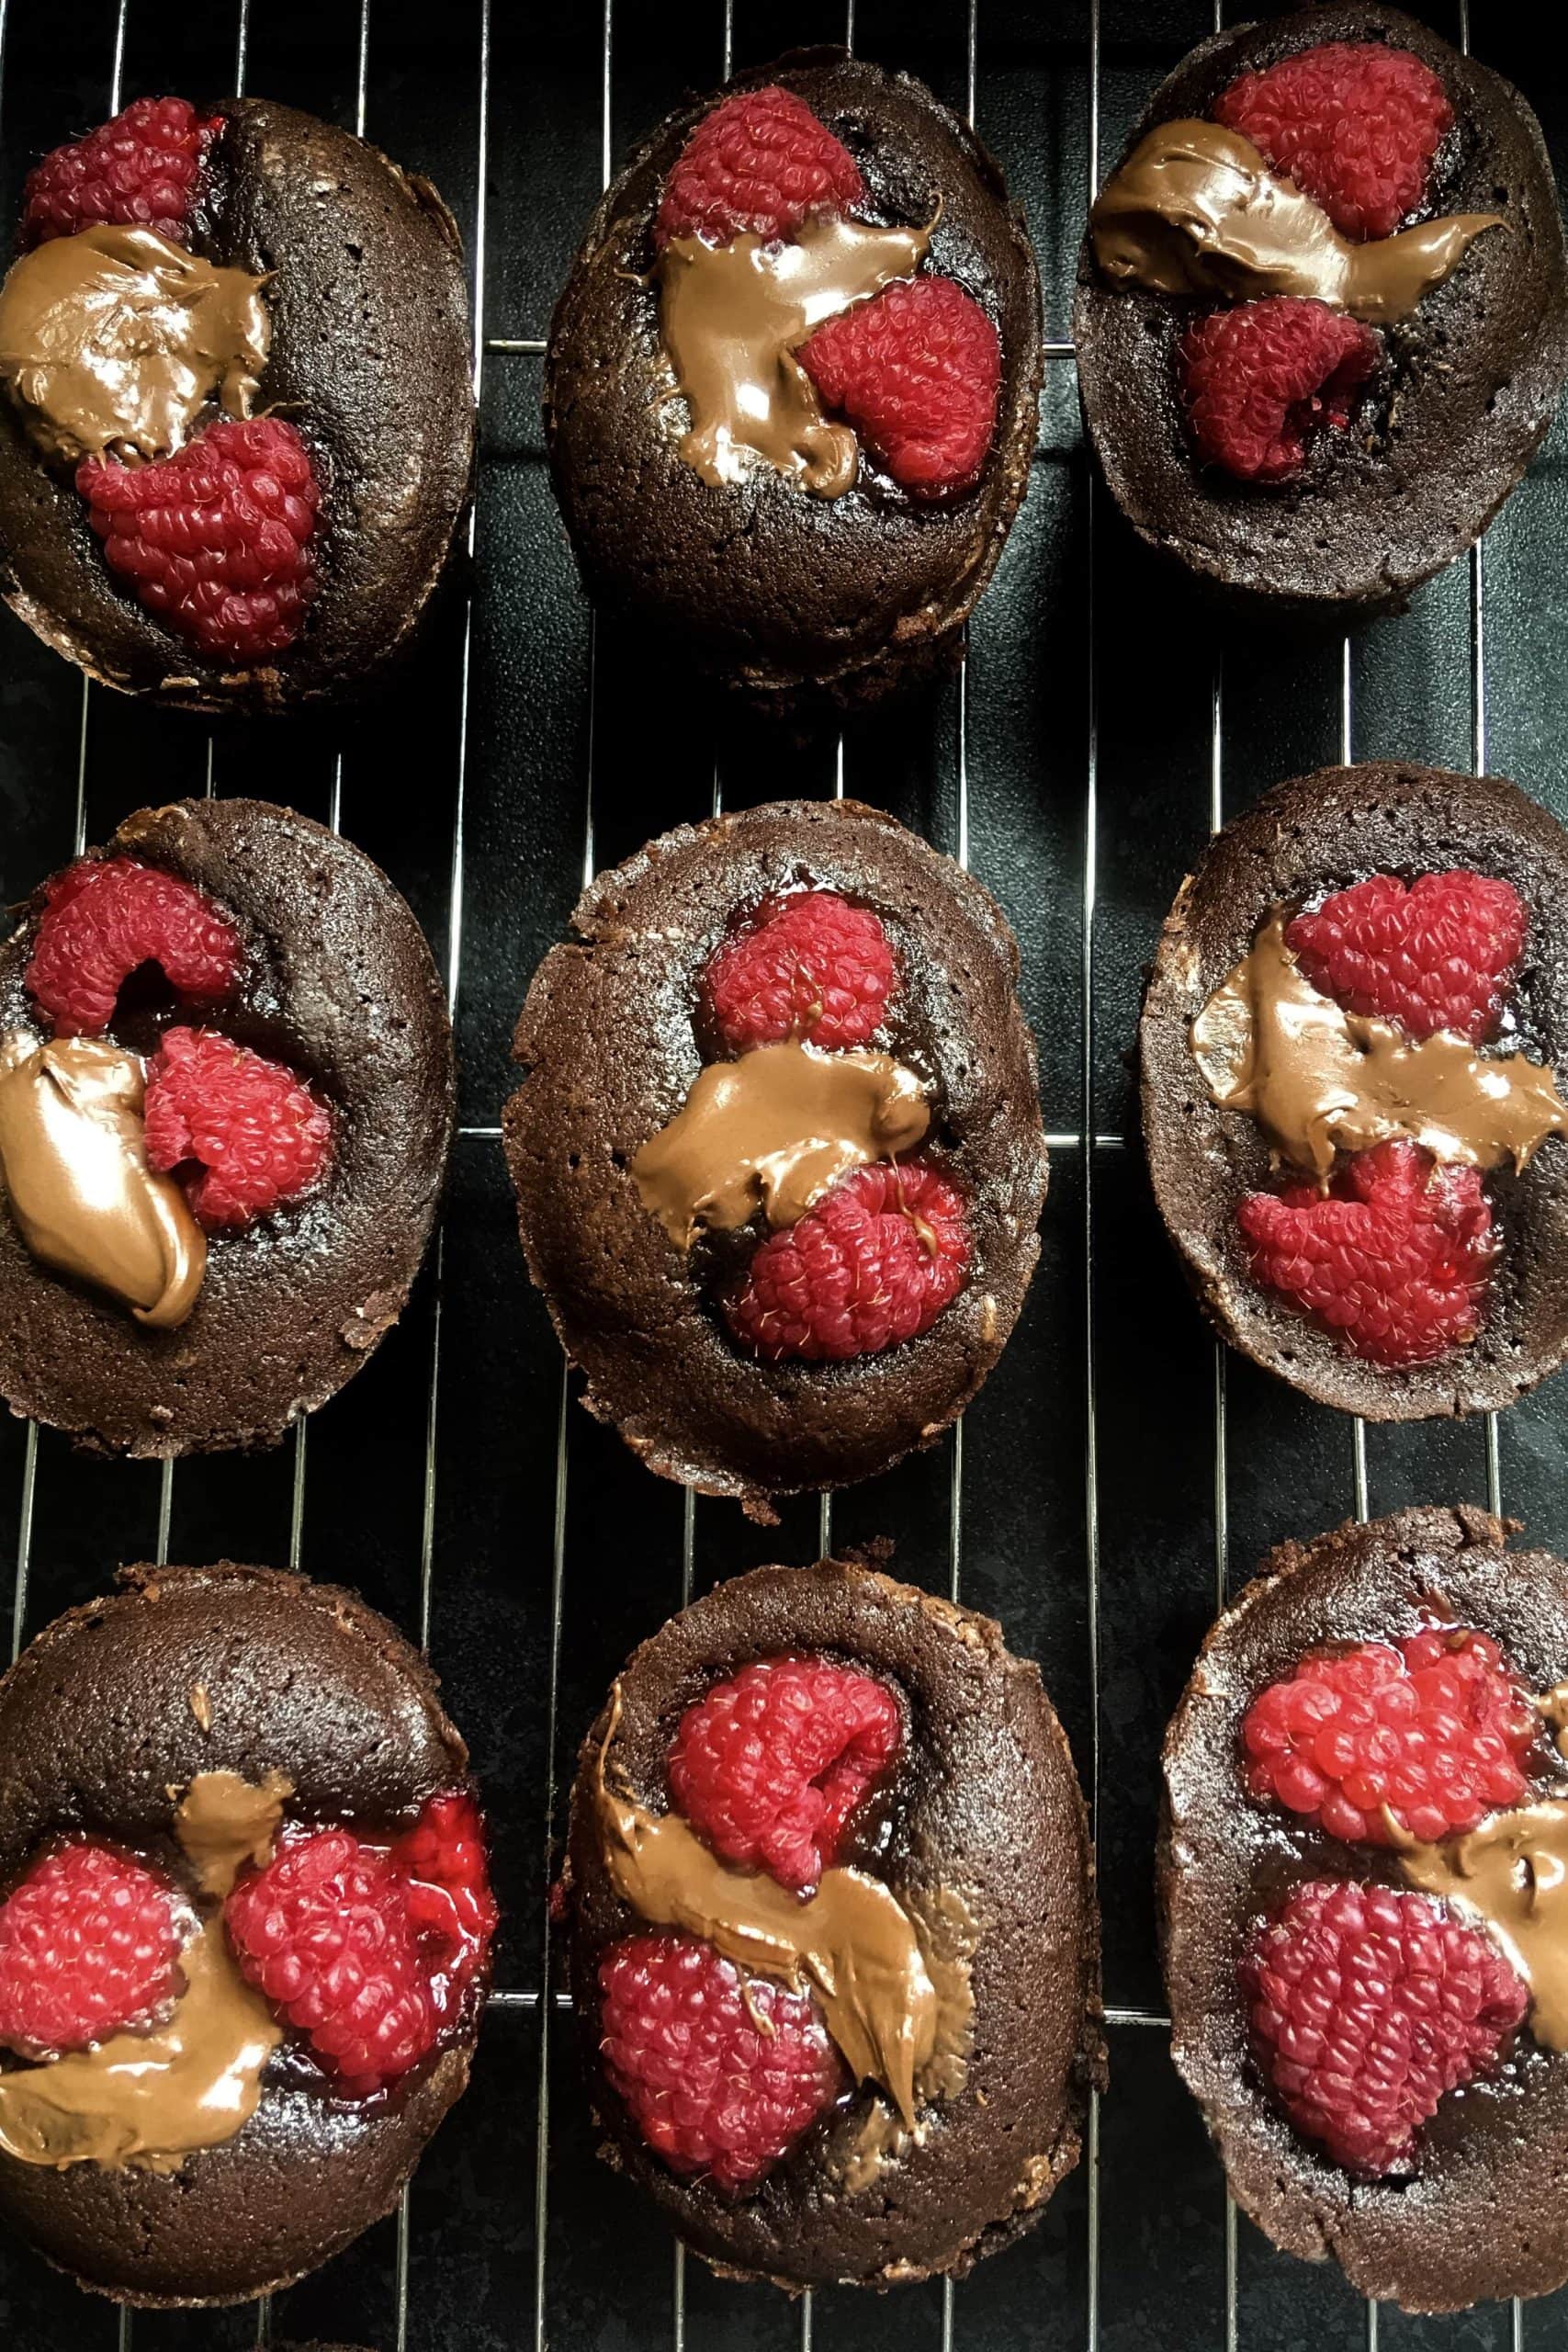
(665, 1165)
(1460, 360)
(197, 1724)
(1230, 1114)
(752, 567)
(332, 1004)
(363, 350)
(1472, 2211)
(947, 1894)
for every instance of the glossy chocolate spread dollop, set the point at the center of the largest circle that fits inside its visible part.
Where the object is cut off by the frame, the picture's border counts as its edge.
(151, 2099)
(773, 1130)
(852, 1942)
(74, 1170)
(732, 317)
(1318, 1079)
(117, 340)
(1195, 210)
(1511, 1875)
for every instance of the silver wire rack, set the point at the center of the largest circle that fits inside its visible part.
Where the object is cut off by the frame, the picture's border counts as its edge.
(485, 2248)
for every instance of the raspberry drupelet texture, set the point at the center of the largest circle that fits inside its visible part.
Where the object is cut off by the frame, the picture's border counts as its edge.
(771, 1766)
(326, 1934)
(721, 2074)
(442, 1858)
(1394, 1257)
(875, 1263)
(761, 162)
(89, 1943)
(247, 1135)
(917, 371)
(143, 170)
(218, 540)
(811, 966)
(1382, 1741)
(1355, 124)
(1438, 954)
(1258, 380)
(1367, 2006)
(105, 918)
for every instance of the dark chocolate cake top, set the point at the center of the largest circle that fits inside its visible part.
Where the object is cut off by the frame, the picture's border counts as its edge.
(982, 1837)
(609, 1043)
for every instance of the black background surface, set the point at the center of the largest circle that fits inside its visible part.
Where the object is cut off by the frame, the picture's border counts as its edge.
(1113, 1477)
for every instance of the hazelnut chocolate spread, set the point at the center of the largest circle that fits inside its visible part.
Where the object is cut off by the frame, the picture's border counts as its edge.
(732, 317)
(152, 2098)
(1318, 1079)
(73, 1168)
(1512, 1874)
(1195, 210)
(898, 2022)
(773, 1130)
(117, 340)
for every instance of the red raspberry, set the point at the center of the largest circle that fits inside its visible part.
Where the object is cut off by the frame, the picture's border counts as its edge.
(917, 371)
(811, 966)
(875, 1261)
(106, 917)
(88, 1945)
(454, 1913)
(1367, 2006)
(1354, 123)
(1438, 955)
(772, 1764)
(760, 162)
(1433, 1729)
(1256, 379)
(710, 2089)
(1394, 1257)
(325, 1932)
(139, 171)
(215, 539)
(260, 1135)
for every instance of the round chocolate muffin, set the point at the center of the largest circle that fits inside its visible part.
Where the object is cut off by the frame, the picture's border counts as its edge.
(322, 1054)
(760, 1020)
(858, 1921)
(225, 1743)
(1468, 2207)
(361, 351)
(706, 499)
(1286, 1051)
(1406, 410)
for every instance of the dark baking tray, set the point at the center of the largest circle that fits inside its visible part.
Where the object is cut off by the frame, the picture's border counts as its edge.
(1117, 1475)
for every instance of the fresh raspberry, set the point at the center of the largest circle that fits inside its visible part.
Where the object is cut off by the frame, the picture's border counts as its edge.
(1258, 379)
(917, 371)
(770, 1766)
(217, 539)
(760, 162)
(811, 966)
(1355, 124)
(105, 919)
(1424, 1737)
(1394, 1257)
(261, 1136)
(326, 1933)
(139, 171)
(89, 1941)
(1436, 956)
(444, 1860)
(875, 1261)
(1368, 2004)
(710, 2088)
